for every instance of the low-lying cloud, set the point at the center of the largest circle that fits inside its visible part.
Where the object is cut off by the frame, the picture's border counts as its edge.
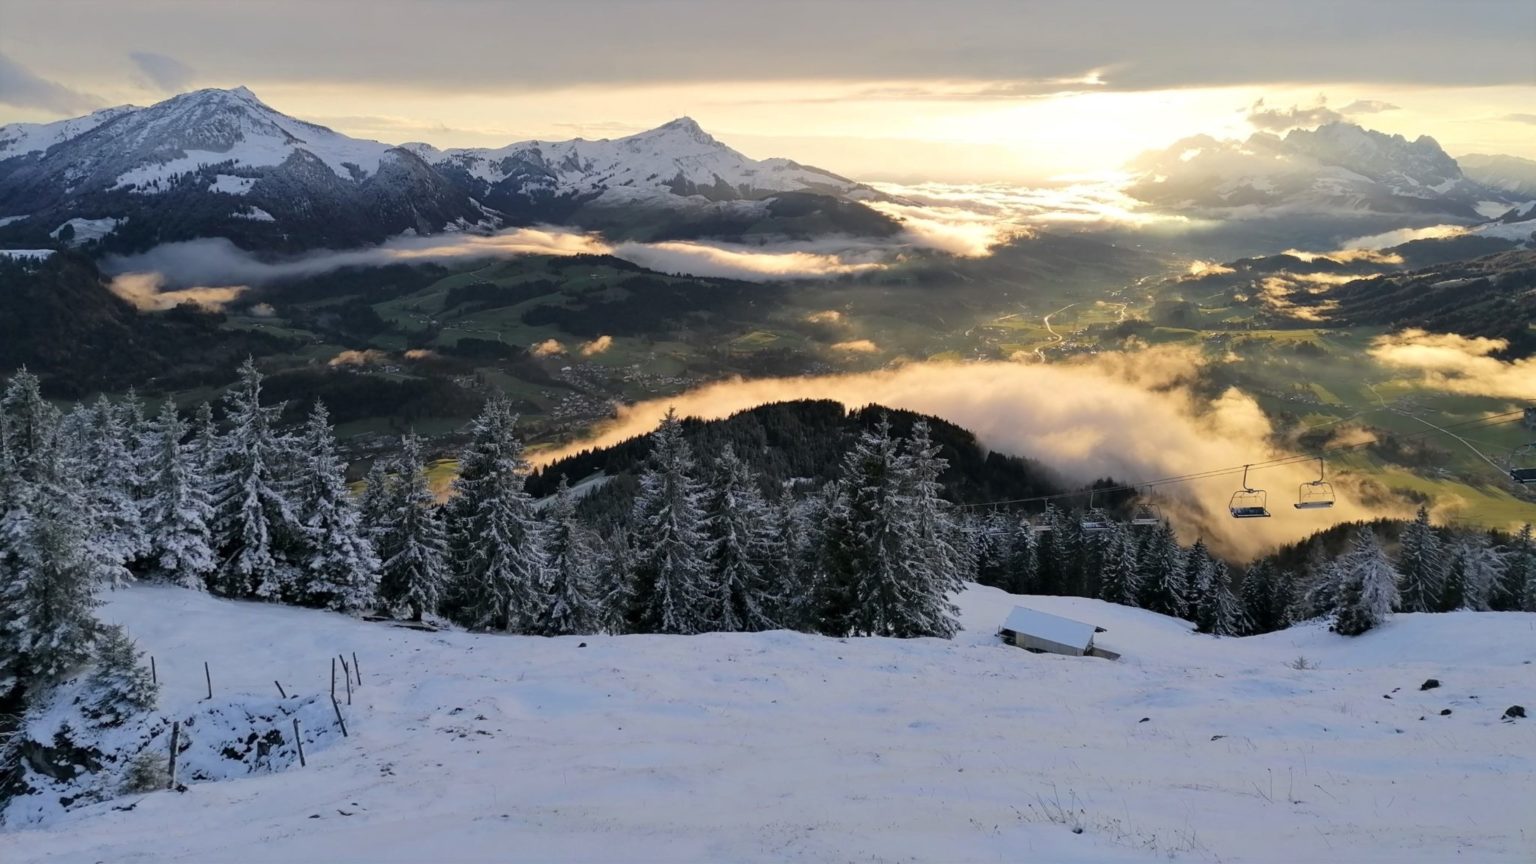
(1460, 364)
(596, 346)
(1132, 416)
(146, 291)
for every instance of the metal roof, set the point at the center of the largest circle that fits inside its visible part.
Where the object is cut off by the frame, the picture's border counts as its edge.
(1052, 628)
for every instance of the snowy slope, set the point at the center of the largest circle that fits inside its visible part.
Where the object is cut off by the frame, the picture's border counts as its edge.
(785, 747)
(20, 139)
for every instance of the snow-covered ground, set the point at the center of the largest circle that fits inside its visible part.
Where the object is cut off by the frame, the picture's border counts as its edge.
(780, 746)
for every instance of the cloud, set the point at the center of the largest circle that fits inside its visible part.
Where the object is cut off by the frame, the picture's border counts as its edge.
(1388, 239)
(162, 72)
(214, 259)
(1520, 118)
(144, 290)
(1281, 119)
(1459, 364)
(20, 87)
(752, 263)
(825, 316)
(596, 346)
(366, 357)
(547, 348)
(1137, 45)
(1368, 106)
(420, 354)
(1131, 416)
(856, 346)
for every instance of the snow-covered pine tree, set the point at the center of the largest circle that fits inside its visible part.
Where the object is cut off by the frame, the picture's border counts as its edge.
(414, 576)
(30, 425)
(671, 579)
(788, 562)
(1367, 586)
(373, 506)
(340, 570)
(992, 535)
(934, 563)
(120, 686)
(112, 485)
(177, 513)
(496, 538)
(1023, 560)
(47, 578)
(1319, 597)
(736, 537)
(1421, 561)
(1478, 568)
(205, 447)
(1520, 571)
(1162, 568)
(573, 604)
(1121, 582)
(1199, 584)
(257, 528)
(1258, 597)
(614, 587)
(1222, 614)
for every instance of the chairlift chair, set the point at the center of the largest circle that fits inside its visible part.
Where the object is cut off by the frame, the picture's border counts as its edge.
(1522, 464)
(1317, 494)
(1146, 514)
(1095, 521)
(1248, 502)
(1038, 525)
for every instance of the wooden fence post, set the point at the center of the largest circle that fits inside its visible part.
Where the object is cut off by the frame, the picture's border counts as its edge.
(175, 745)
(209, 676)
(346, 672)
(298, 739)
(333, 679)
(154, 675)
(280, 691)
(336, 705)
(357, 670)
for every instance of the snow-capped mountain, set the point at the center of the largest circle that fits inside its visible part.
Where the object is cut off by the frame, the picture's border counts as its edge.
(1513, 174)
(223, 163)
(1335, 168)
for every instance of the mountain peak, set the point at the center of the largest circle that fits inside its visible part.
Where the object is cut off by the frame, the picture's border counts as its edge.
(686, 127)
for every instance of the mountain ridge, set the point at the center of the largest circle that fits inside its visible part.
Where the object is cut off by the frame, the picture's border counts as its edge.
(217, 162)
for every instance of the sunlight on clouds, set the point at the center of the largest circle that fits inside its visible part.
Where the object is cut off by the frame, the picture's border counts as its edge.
(1460, 364)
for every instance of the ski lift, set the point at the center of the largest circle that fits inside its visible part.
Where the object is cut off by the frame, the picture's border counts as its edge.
(1522, 464)
(1037, 525)
(1094, 519)
(1316, 495)
(1248, 502)
(1146, 514)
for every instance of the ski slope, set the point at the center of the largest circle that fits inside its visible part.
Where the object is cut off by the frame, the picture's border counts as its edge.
(785, 747)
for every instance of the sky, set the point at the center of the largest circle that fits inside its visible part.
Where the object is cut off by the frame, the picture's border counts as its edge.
(958, 91)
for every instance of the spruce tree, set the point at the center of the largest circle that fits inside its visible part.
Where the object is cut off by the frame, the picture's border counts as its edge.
(737, 539)
(177, 512)
(1422, 564)
(1520, 571)
(1162, 566)
(1258, 591)
(670, 578)
(414, 576)
(257, 528)
(931, 559)
(1479, 567)
(496, 537)
(120, 686)
(111, 478)
(1222, 614)
(339, 567)
(788, 562)
(573, 604)
(1121, 581)
(1200, 585)
(1367, 586)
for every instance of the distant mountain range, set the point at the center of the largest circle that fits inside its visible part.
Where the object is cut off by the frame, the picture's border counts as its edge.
(1337, 168)
(223, 163)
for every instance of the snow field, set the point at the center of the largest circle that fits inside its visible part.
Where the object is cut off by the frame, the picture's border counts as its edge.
(781, 746)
